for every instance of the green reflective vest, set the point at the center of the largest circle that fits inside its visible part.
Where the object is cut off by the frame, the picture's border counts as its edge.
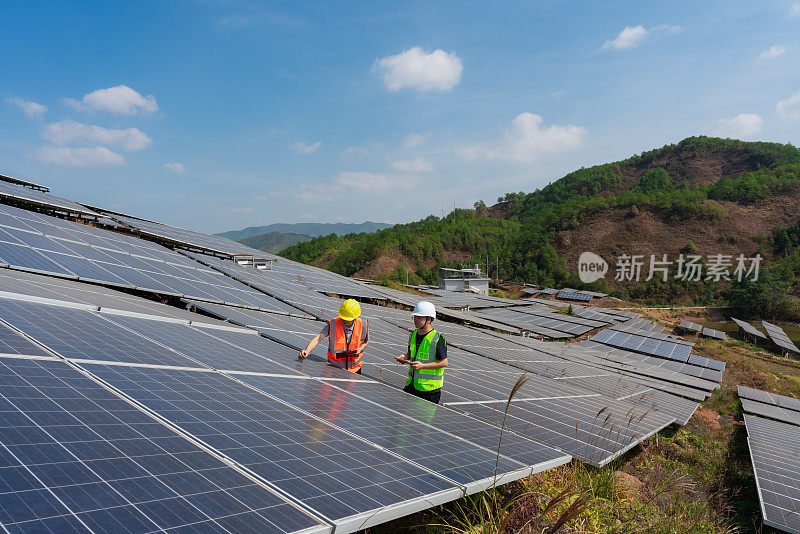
(425, 379)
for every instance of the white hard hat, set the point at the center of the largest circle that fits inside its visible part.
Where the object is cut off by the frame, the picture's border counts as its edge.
(425, 309)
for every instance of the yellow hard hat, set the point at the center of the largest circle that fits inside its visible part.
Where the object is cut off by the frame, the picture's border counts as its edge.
(350, 310)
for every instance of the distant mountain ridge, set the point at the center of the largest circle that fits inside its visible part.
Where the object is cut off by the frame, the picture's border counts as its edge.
(274, 242)
(307, 229)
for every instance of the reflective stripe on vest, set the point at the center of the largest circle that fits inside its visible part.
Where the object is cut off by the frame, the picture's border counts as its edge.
(425, 379)
(341, 353)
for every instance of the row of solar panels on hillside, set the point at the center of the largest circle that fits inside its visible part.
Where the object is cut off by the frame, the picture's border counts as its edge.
(40, 243)
(478, 384)
(24, 183)
(322, 447)
(20, 194)
(185, 238)
(677, 350)
(773, 435)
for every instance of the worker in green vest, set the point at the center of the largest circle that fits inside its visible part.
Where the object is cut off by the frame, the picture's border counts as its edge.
(426, 356)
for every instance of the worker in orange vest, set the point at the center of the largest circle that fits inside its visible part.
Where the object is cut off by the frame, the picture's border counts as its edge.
(348, 336)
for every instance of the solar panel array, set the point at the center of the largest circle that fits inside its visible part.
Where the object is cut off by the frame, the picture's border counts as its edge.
(779, 338)
(318, 448)
(773, 435)
(305, 443)
(186, 237)
(19, 193)
(541, 321)
(40, 243)
(24, 183)
(645, 344)
(76, 457)
(574, 295)
(690, 326)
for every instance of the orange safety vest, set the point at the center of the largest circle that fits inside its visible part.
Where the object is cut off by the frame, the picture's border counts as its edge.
(340, 353)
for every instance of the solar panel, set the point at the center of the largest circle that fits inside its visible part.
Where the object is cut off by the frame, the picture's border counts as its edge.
(773, 399)
(80, 334)
(75, 457)
(775, 454)
(779, 337)
(345, 479)
(574, 295)
(419, 441)
(666, 347)
(25, 183)
(690, 326)
(715, 334)
(771, 411)
(16, 192)
(77, 251)
(186, 237)
(13, 343)
(593, 438)
(749, 329)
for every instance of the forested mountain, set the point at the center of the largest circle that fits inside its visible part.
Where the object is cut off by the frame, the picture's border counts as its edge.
(309, 229)
(703, 195)
(274, 241)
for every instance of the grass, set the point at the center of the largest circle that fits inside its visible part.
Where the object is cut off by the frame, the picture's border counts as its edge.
(692, 479)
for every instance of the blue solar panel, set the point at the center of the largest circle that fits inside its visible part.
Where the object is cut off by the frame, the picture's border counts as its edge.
(75, 333)
(336, 474)
(74, 457)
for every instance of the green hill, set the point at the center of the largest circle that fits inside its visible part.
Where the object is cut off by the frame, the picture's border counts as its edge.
(705, 194)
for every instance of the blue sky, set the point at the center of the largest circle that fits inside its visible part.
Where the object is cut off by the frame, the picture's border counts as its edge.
(216, 115)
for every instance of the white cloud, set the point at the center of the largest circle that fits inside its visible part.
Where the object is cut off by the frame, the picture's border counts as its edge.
(414, 140)
(304, 148)
(629, 37)
(633, 36)
(420, 70)
(176, 167)
(789, 108)
(773, 51)
(120, 100)
(78, 157)
(367, 149)
(366, 182)
(413, 165)
(795, 10)
(742, 125)
(526, 140)
(68, 132)
(32, 110)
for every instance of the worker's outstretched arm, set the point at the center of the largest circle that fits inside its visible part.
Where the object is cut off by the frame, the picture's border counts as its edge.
(363, 347)
(311, 344)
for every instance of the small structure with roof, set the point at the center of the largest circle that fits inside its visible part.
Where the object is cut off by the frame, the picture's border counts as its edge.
(469, 280)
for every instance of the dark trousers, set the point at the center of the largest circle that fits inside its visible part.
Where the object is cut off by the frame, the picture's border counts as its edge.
(430, 396)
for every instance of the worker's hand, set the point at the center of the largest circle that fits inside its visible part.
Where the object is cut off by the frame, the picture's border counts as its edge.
(359, 350)
(401, 359)
(303, 354)
(417, 365)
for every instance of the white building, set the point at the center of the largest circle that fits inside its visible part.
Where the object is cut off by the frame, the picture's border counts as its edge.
(468, 280)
